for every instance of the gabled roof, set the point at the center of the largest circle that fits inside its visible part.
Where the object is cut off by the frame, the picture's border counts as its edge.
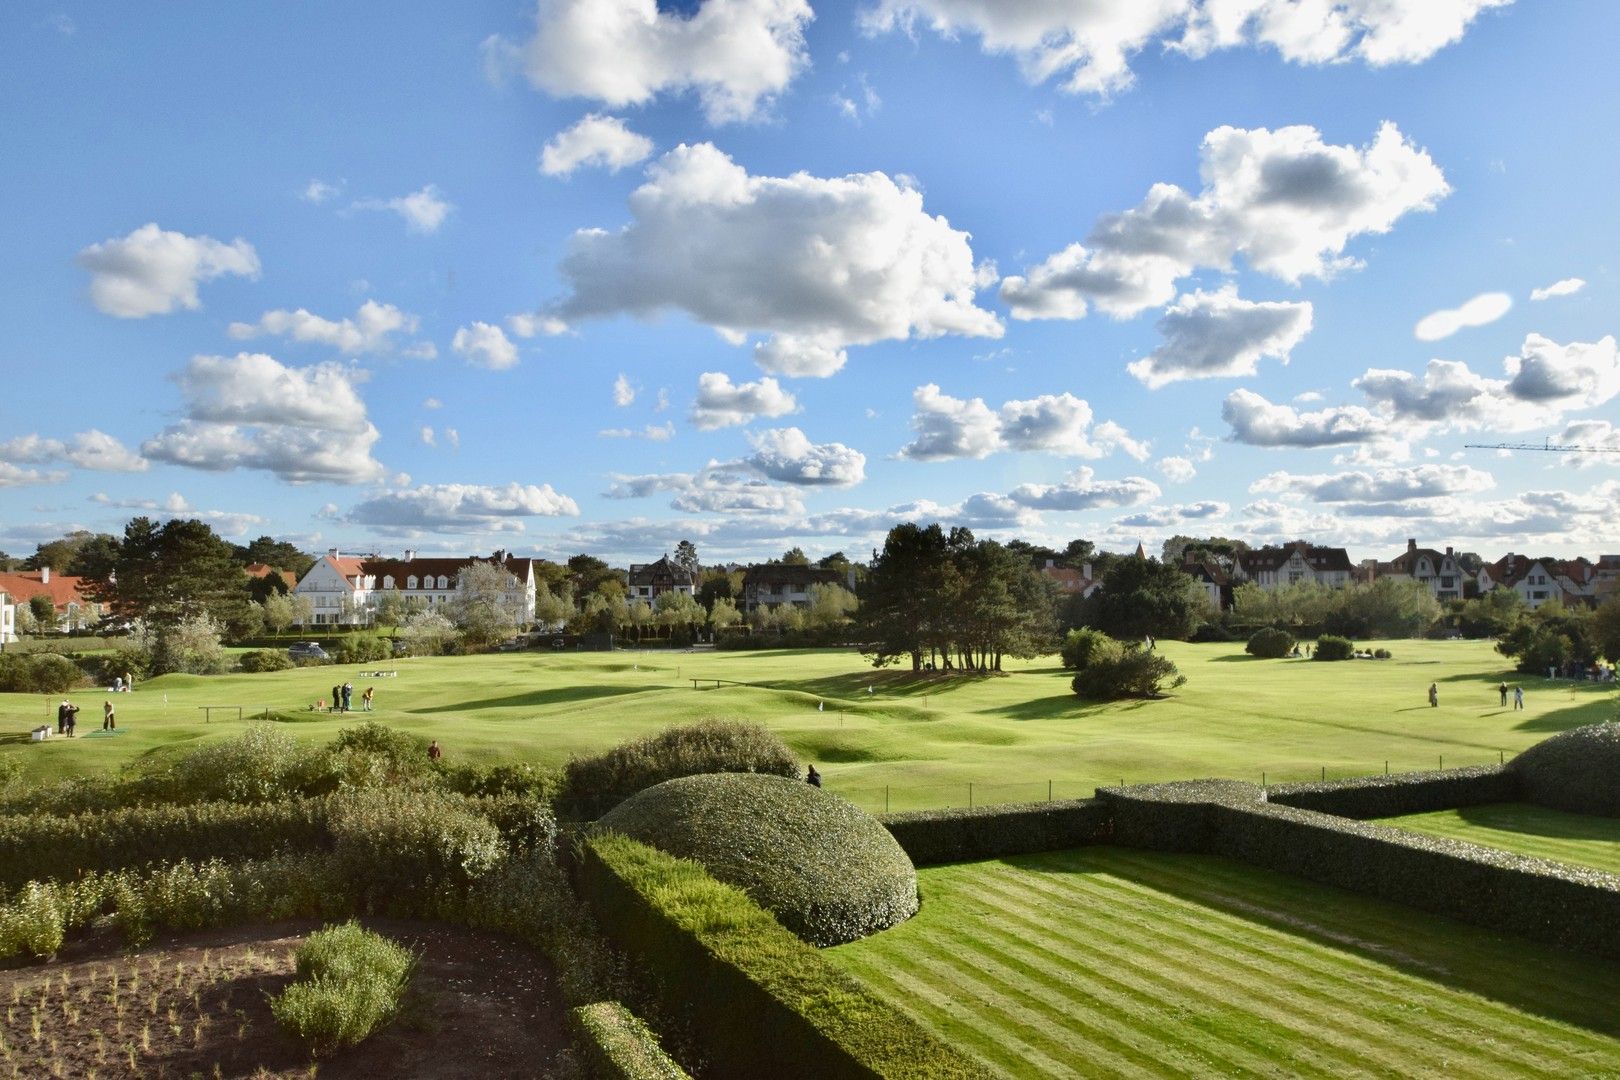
(789, 574)
(1326, 559)
(659, 572)
(401, 569)
(263, 570)
(63, 589)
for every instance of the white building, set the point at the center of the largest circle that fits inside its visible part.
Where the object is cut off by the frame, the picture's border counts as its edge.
(8, 619)
(344, 590)
(1290, 564)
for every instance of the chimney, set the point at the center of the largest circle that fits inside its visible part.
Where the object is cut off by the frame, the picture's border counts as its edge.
(1448, 551)
(410, 553)
(44, 575)
(1085, 571)
(1411, 545)
(331, 552)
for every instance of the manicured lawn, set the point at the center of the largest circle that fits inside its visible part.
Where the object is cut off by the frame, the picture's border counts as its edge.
(1110, 962)
(1528, 830)
(924, 738)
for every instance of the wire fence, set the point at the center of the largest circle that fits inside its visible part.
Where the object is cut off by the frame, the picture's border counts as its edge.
(896, 798)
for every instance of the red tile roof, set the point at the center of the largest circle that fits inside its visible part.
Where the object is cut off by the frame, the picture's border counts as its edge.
(63, 589)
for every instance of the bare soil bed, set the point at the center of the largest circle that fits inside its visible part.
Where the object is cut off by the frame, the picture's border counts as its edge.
(197, 1005)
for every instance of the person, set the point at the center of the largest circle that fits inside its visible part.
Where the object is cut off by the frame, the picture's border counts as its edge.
(348, 694)
(812, 777)
(61, 717)
(1503, 691)
(72, 721)
(118, 684)
(109, 719)
(365, 698)
(337, 697)
(129, 682)
(1518, 697)
(1434, 695)
(434, 753)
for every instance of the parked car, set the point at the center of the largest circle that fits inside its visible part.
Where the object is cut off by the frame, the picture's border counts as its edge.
(306, 650)
(558, 643)
(512, 645)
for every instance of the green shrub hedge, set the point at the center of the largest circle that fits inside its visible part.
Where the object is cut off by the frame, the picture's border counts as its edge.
(1270, 643)
(987, 832)
(388, 842)
(1404, 793)
(349, 984)
(1577, 770)
(1133, 673)
(618, 1046)
(827, 869)
(261, 660)
(1084, 646)
(1333, 647)
(591, 786)
(765, 1003)
(38, 673)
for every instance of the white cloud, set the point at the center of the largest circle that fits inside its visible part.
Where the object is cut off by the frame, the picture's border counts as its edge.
(428, 436)
(1389, 485)
(1481, 310)
(1164, 517)
(948, 427)
(369, 330)
(319, 191)
(91, 449)
(453, 437)
(485, 345)
(595, 141)
(461, 508)
(736, 54)
(819, 263)
(1177, 470)
(17, 476)
(1081, 490)
(1259, 422)
(1574, 376)
(152, 271)
(1601, 436)
(224, 522)
(1285, 200)
(432, 403)
(1567, 287)
(788, 455)
(1088, 44)
(623, 392)
(1218, 334)
(251, 412)
(651, 432)
(423, 210)
(716, 489)
(720, 403)
(528, 324)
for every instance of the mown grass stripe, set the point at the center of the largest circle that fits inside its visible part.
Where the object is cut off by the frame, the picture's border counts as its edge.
(1338, 974)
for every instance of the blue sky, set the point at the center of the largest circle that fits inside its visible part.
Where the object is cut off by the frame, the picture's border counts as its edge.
(598, 276)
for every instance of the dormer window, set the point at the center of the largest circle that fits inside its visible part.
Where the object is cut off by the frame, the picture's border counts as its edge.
(410, 582)
(444, 582)
(388, 581)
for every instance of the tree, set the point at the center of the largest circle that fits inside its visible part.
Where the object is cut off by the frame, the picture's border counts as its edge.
(190, 645)
(686, 556)
(552, 609)
(1211, 549)
(638, 615)
(1141, 597)
(94, 562)
(1606, 628)
(57, 554)
(724, 614)
(588, 573)
(1489, 615)
(894, 618)
(43, 609)
(678, 611)
(7, 562)
(280, 612)
(426, 633)
(830, 606)
(486, 607)
(795, 556)
(836, 561)
(179, 569)
(275, 553)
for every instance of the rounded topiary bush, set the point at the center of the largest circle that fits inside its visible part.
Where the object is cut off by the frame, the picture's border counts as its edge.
(1270, 643)
(1333, 647)
(1085, 646)
(825, 868)
(1577, 770)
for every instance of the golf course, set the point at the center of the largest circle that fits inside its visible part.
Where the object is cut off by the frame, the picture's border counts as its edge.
(885, 738)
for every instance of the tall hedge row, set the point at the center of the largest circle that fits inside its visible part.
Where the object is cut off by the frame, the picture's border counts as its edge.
(1407, 793)
(616, 1044)
(765, 1003)
(987, 832)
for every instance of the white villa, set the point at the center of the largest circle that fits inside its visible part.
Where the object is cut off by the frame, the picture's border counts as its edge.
(8, 619)
(1278, 567)
(343, 590)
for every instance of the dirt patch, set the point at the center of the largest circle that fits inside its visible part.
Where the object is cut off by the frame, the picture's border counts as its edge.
(196, 1005)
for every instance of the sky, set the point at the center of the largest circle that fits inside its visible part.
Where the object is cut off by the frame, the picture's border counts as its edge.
(601, 275)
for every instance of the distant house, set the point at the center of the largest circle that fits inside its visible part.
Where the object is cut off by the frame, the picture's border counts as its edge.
(69, 595)
(1440, 571)
(8, 619)
(1538, 580)
(649, 581)
(776, 583)
(1277, 567)
(1071, 582)
(344, 589)
(1215, 582)
(264, 570)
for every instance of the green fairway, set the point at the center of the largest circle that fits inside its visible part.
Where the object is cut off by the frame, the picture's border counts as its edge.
(1109, 962)
(1528, 830)
(924, 738)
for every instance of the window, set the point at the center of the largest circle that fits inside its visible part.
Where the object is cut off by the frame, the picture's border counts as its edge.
(410, 582)
(444, 582)
(1295, 577)
(388, 581)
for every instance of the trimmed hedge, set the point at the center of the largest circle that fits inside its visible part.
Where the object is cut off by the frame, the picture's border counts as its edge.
(987, 832)
(1270, 643)
(591, 786)
(823, 866)
(764, 1002)
(1333, 647)
(618, 1046)
(1575, 770)
(1406, 793)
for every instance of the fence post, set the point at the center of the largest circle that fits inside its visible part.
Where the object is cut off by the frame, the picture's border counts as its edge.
(1442, 763)
(970, 794)
(1049, 791)
(1501, 757)
(1324, 774)
(1386, 766)
(885, 798)
(1263, 778)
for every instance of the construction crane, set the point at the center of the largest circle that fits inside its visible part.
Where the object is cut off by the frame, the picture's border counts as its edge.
(1549, 445)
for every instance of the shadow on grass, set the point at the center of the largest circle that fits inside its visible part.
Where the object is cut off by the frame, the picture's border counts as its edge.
(15, 738)
(1528, 820)
(1243, 658)
(536, 698)
(891, 684)
(1598, 705)
(1571, 987)
(1060, 707)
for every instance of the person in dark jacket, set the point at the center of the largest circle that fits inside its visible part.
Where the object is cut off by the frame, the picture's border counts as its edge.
(812, 777)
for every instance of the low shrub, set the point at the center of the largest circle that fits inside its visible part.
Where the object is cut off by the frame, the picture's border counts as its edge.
(349, 984)
(617, 1045)
(591, 786)
(734, 973)
(827, 869)
(32, 923)
(38, 673)
(1270, 643)
(259, 765)
(1404, 793)
(1134, 673)
(261, 660)
(375, 755)
(363, 650)
(1382, 654)
(1082, 647)
(1574, 770)
(987, 832)
(389, 841)
(1216, 633)
(1333, 647)
(519, 779)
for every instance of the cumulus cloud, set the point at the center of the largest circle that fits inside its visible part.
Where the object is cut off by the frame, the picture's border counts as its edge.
(370, 330)
(529, 324)
(1177, 470)
(91, 449)
(595, 141)
(1482, 310)
(737, 55)
(1259, 422)
(1392, 485)
(319, 191)
(1081, 490)
(423, 211)
(1601, 438)
(251, 412)
(152, 271)
(1164, 517)
(1566, 287)
(651, 432)
(224, 522)
(1285, 200)
(16, 476)
(623, 392)
(1088, 44)
(721, 403)
(817, 263)
(485, 345)
(717, 488)
(1574, 376)
(788, 455)
(948, 427)
(451, 508)
(1211, 335)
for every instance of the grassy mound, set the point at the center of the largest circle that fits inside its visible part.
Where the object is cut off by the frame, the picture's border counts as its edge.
(1577, 770)
(826, 869)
